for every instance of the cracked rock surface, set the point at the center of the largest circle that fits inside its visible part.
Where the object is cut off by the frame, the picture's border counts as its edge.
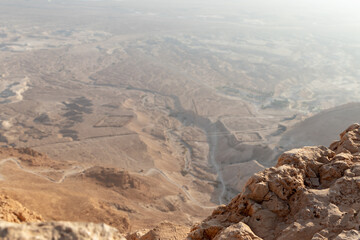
(312, 193)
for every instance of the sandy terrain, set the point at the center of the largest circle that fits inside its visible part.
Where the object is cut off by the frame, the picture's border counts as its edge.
(64, 191)
(188, 99)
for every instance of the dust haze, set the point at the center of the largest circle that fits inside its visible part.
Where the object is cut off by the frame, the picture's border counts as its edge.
(196, 94)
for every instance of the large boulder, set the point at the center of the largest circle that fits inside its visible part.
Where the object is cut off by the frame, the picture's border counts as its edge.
(57, 231)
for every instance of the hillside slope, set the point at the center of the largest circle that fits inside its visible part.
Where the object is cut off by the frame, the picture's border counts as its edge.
(313, 193)
(322, 128)
(69, 191)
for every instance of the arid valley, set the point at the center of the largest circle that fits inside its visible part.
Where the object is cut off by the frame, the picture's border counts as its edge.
(133, 113)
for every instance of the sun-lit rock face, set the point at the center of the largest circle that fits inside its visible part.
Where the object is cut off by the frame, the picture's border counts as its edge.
(312, 193)
(13, 211)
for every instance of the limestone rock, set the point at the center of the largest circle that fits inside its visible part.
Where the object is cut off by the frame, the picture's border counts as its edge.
(57, 231)
(239, 231)
(312, 193)
(164, 231)
(348, 235)
(13, 211)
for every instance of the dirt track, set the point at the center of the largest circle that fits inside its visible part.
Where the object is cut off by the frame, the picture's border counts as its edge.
(73, 171)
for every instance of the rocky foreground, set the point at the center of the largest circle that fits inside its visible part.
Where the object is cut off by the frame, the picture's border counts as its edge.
(312, 193)
(18, 222)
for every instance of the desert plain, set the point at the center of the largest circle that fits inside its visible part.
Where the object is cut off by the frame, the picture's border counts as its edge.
(151, 111)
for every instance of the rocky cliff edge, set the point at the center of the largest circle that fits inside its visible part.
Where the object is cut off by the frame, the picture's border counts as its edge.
(312, 193)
